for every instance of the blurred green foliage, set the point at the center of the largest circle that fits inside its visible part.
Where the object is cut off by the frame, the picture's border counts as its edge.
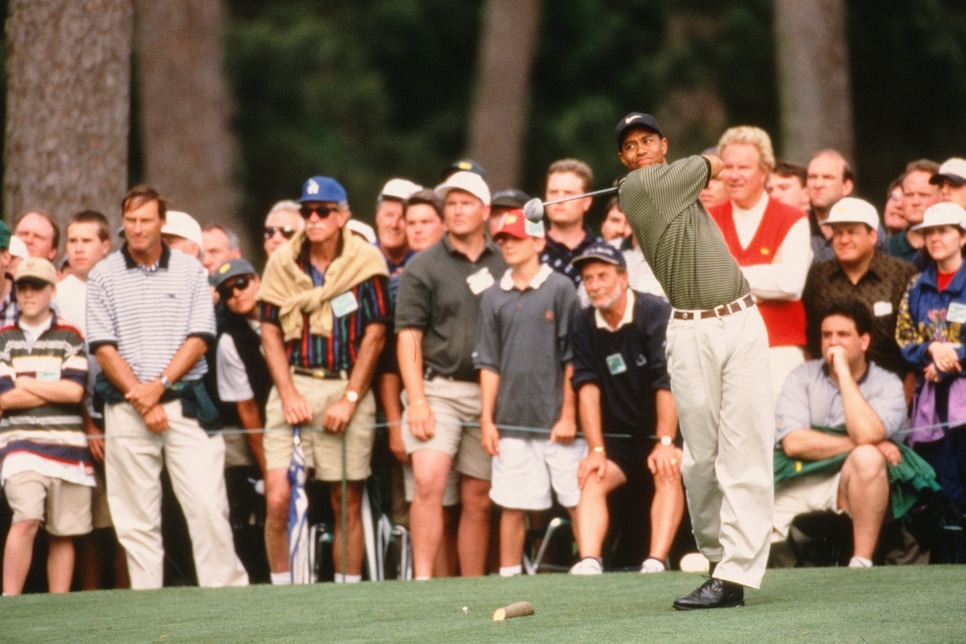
(365, 90)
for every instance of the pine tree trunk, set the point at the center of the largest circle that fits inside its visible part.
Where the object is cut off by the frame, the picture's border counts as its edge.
(185, 108)
(498, 116)
(815, 83)
(68, 106)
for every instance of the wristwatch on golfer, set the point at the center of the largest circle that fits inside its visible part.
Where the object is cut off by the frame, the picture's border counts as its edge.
(165, 382)
(666, 440)
(351, 396)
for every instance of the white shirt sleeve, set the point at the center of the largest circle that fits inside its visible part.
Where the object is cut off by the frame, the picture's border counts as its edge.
(784, 278)
(233, 385)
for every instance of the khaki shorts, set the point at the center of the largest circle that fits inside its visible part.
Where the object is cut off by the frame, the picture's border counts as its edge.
(456, 409)
(323, 450)
(63, 507)
(100, 513)
(799, 496)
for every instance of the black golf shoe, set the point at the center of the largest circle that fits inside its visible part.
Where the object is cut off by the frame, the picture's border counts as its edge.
(714, 593)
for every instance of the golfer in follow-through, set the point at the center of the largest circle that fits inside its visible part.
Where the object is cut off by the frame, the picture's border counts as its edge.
(717, 351)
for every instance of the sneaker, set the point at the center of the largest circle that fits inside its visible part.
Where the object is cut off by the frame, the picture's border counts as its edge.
(652, 565)
(859, 562)
(695, 562)
(587, 566)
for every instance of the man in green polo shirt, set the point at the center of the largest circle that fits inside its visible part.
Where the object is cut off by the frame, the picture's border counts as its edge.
(717, 352)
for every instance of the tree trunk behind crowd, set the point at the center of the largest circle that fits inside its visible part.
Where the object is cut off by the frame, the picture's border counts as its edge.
(815, 83)
(185, 107)
(68, 106)
(498, 116)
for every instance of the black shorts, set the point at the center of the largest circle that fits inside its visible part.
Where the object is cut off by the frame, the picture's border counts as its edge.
(629, 454)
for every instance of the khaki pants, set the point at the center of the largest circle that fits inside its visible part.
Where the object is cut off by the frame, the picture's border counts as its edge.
(722, 388)
(196, 462)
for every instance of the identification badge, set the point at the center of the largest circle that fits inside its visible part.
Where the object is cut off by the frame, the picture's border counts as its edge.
(881, 308)
(48, 376)
(956, 312)
(616, 364)
(344, 304)
(480, 280)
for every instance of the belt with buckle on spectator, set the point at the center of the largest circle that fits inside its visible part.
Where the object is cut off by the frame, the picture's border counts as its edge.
(717, 312)
(431, 374)
(321, 374)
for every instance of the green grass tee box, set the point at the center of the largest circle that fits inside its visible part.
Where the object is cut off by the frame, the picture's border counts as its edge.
(888, 604)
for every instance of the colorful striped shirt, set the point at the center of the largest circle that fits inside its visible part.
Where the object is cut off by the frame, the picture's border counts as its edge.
(340, 350)
(48, 439)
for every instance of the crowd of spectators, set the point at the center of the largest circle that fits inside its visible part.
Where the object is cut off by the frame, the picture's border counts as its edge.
(490, 371)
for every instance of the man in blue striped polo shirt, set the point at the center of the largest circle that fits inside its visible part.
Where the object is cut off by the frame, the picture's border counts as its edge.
(149, 322)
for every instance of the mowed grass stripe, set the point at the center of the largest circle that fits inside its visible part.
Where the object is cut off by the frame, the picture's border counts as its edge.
(909, 603)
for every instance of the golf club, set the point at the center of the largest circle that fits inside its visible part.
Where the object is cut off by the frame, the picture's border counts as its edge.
(533, 209)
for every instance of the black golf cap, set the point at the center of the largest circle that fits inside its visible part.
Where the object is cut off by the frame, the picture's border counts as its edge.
(637, 119)
(463, 165)
(510, 198)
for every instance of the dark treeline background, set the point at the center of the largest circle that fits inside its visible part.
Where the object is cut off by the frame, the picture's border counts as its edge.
(364, 90)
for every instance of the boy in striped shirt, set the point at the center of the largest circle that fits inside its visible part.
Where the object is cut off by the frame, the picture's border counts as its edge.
(45, 466)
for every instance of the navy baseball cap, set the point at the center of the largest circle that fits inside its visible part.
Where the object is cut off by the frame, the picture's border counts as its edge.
(323, 189)
(600, 251)
(637, 119)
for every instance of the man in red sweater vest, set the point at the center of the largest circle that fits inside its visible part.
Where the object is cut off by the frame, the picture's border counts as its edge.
(770, 241)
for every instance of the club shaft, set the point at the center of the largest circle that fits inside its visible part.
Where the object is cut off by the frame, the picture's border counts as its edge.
(602, 191)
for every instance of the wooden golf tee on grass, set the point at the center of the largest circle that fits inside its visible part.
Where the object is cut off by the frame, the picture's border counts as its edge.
(516, 609)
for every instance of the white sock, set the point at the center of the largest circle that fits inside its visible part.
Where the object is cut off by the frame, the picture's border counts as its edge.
(422, 578)
(281, 578)
(511, 571)
(347, 579)
(860, 562)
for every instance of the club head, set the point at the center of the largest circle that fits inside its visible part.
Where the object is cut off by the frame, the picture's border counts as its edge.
(533, 210)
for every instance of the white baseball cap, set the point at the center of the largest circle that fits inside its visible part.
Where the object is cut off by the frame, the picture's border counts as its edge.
(401, 189)
(184, 225)
(468, 182)
(946, 213)
(850, 210)
(953, 170)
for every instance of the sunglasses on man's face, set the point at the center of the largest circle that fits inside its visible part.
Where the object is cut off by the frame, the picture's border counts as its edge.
(321, 211)
(286, 231)
(227, 291)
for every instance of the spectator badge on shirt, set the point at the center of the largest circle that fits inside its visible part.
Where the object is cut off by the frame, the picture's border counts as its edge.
(956, 312)
(344, 304)
(616, 364)
(48, 370)
(882, 308)
(480, 280)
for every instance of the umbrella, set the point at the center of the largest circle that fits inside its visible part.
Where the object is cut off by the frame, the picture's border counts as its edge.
(298, 524)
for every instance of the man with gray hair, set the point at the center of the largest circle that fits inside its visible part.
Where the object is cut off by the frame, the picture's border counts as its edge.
(219, 245)
(770, 241)
(281, 223)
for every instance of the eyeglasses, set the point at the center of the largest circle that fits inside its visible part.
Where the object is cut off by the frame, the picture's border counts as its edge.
(286, 231)
(321, 211)
(227, 291)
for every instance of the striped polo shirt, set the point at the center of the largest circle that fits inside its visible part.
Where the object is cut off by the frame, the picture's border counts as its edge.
(149, 314)
(340, 350)
(49, 438)
(679, 239)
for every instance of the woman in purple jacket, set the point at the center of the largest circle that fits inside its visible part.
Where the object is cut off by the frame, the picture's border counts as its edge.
(931, 332)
